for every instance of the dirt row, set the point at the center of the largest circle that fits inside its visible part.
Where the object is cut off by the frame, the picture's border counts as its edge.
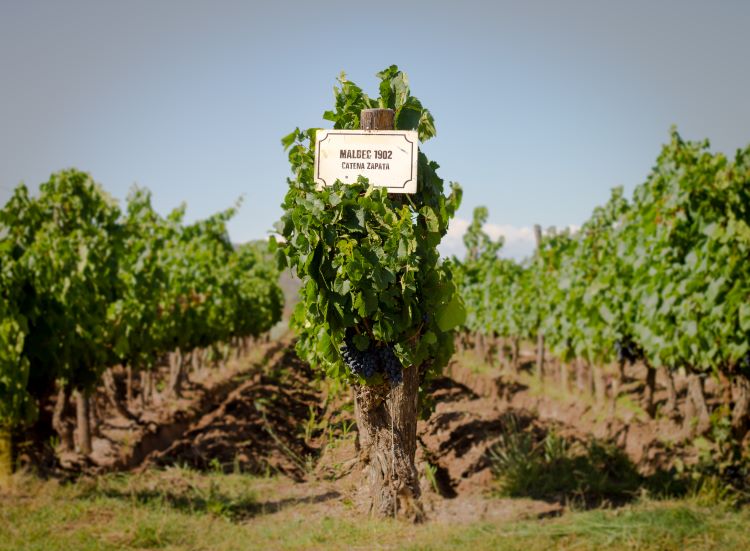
(269, 414)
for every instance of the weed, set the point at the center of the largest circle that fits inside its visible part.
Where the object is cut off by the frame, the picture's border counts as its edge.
(549, 466)
(430, 471)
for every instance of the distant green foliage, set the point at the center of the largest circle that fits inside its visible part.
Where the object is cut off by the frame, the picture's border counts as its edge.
(667, 271)
(368, 261)
(85, 286)
(665, 276)
(66, 244)
(16, 404)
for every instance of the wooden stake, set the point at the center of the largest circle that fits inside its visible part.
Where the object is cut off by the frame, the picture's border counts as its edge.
(539, 335)
(377, 119)
(387, 419)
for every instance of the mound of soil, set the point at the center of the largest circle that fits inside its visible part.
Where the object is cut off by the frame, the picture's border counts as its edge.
(271, 416)
(257, 429)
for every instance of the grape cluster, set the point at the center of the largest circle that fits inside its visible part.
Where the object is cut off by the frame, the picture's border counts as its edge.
(361, 363)
(366, 363)
(628, 351)
(391, 365)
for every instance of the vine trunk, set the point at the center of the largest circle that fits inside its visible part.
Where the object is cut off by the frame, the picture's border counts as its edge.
(387, 442)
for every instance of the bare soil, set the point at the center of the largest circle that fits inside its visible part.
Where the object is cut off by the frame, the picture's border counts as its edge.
(267, 414)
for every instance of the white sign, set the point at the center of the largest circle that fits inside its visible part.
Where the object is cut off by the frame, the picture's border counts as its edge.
(387, 158)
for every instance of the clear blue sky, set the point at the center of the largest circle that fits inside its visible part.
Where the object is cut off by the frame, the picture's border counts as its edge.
(541, 107)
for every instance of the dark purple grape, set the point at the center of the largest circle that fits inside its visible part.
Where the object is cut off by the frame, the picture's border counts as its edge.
(366, 363)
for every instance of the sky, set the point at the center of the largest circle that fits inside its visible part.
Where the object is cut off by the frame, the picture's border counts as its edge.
(541, 107)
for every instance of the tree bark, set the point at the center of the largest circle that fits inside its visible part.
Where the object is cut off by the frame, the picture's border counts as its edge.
(387, 425)
(6, 456)
(648, 392)
(741, 409)
(83, 421)
(61, 420)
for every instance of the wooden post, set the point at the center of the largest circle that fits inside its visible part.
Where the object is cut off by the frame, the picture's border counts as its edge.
(387, 420)
(539, 334)
(377, 119)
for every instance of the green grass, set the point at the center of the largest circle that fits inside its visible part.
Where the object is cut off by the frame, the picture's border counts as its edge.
(472, 361)
(181, 509)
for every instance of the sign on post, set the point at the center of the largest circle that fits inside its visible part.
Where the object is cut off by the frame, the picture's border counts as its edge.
(387, 158)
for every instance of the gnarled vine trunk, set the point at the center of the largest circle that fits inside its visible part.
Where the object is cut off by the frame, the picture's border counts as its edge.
(83, 421)
(581, 375)
(741, 409)
(177, 374)
(146, 388)
(564, 377)
(61, 419)
(600, 385)
(697, 398)
(670, 408)
(129, 385)
(387, 442)
(649, 390)
(111, 391)
(6, 456)
(502, 356)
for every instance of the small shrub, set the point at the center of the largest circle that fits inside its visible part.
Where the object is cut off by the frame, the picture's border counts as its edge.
(549, 466)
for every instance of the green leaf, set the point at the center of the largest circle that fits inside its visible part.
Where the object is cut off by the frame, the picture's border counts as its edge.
(744, 313)
(451, 315)
(362, 342)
